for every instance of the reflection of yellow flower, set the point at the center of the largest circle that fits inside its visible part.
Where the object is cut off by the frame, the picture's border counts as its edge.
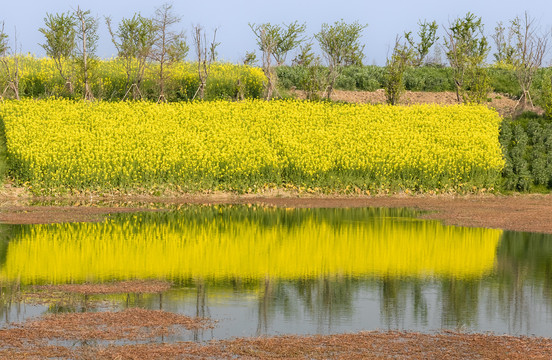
(55, 143)
(240, 247)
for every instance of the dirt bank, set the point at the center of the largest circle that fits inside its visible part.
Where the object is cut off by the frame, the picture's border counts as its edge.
(531, 213)
(504, 105)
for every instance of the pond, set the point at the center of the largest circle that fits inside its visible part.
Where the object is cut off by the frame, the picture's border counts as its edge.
(269, 271)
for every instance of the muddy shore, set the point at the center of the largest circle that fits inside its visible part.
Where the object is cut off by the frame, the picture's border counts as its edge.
(527, 212)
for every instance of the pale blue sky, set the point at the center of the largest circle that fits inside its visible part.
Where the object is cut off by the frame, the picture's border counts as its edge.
(385, 19)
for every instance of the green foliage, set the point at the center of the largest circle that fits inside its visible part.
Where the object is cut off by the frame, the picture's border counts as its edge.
(313, 76)
(467, 49)
(340, 44)
(476, 85)
(368, 78)
(545, 98)
(396, 66)
(250, 58)
(278, 39)
(428, 36)
(516, 171)
(429, 78)
(372, 77)
(276, 42)
(423, 78)
(134, 40)
(503, 80)
(527, 147)
(60, 43)
(289, 38)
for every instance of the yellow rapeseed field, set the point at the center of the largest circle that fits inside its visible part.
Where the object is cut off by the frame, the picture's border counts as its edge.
(39, 78)
(250, 144)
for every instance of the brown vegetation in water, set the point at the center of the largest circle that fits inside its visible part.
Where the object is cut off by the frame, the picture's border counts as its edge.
(371, 345)
(30, 339)
(133, 286)
(81, 295)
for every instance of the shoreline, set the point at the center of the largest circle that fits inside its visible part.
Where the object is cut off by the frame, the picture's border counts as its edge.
(362, 345)
(517, 212)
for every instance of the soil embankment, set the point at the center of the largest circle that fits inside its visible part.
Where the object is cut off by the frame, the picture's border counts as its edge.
(503, 104)
(529, 212)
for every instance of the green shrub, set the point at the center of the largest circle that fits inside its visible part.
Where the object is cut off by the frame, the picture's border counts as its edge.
(429, 78)
(527, 147)
(504, 81)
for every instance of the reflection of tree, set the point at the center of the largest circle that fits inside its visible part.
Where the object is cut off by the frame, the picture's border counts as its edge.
(263, 307)
(420, 303)
(10, 293)
(324, 299)
(327, 298)
(526, 257)
(275, 297)
(202, 309)
(396, 295)
(523, 276)
(459, 300)
(393, 301)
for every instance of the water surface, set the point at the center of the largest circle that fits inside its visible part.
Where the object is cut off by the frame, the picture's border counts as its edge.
(271, 271)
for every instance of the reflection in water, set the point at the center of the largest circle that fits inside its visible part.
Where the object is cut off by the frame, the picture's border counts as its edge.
(267, 270)
(216, 243)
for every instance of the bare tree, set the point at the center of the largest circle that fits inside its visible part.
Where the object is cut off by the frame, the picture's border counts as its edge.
(87, 35)
(529, 50)
(10, 70)
(206, 55)
(503, 43)
(60, 34)
(169, 46)
(134, 40)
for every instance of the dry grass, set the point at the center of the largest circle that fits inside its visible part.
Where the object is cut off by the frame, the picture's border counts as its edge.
(121, 287)
(130, 324)
(365, 345)
(82, 295)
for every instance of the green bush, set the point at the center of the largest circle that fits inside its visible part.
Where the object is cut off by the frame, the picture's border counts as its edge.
(429, 78)
(504, 81)
(425, 78)
(527, 147)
